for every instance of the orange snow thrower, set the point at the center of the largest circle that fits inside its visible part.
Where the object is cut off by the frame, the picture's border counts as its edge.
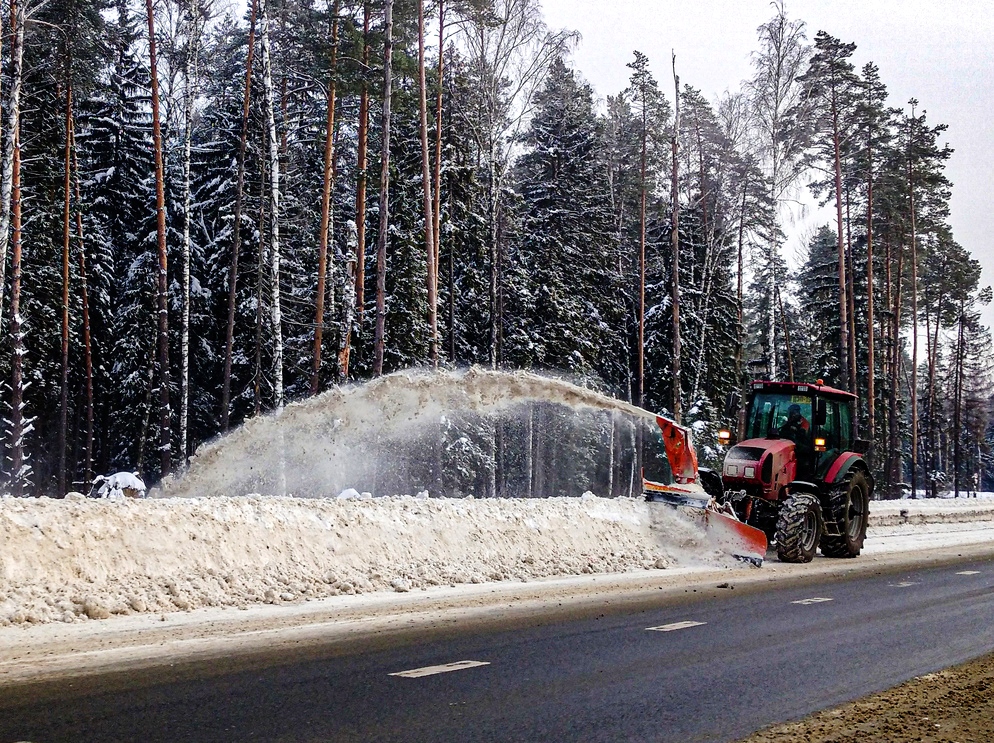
(723, 528)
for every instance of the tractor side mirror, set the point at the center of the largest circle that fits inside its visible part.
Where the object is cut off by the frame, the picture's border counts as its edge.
(732, 404)
(820, 412)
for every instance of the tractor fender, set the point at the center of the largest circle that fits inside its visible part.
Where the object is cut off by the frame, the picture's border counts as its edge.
(847, 462)
(803, 486)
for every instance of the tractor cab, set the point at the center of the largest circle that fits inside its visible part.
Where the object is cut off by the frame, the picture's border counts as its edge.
(815, 419)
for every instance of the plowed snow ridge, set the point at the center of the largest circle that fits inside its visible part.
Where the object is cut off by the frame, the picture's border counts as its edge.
(75, 559)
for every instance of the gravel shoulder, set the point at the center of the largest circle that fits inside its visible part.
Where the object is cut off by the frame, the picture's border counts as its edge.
(952, 706)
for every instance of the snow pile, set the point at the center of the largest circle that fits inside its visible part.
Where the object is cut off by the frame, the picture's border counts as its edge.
(75, 559)
(931, 511)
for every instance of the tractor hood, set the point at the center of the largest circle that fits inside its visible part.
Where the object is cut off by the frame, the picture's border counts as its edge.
(762, 462)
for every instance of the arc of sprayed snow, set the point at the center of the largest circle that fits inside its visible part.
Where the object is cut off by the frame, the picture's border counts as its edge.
(397, 399)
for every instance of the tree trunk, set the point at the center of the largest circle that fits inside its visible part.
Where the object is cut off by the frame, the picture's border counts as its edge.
(958, 398)
(379, 340)
(237, 228)
(85, 296)
(7, 160)
(426, 183)
(19, 470)
(897, 468)
(160, 210)
(260, 283)
(914, 319)
(437, 175)
(358, 271)
(66, 233)
(871, 362)
(274, 207)
(329, 150)
(840, 236)
(360, 194)
(190, 85)
(642, 199)
(675, 281)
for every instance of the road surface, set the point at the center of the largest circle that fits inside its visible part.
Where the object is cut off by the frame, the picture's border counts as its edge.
(714, 665)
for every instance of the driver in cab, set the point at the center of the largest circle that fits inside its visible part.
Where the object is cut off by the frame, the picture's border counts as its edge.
(796, 427)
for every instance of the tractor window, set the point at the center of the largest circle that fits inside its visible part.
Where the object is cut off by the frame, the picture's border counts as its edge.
(830, 432)
(768, 413)
(845, 427)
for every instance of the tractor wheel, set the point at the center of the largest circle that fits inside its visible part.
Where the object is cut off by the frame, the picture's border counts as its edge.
(849, 507)
(798, 528)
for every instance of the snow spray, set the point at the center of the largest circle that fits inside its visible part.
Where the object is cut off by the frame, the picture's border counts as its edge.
(450, 433)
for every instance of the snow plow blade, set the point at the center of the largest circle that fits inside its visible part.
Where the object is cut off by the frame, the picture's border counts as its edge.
(721, 526)
(723, 531)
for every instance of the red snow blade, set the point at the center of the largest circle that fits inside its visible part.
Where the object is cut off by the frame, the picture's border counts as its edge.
(741, 541)
(724, 532)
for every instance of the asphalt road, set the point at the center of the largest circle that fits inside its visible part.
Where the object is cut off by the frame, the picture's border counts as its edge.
(711, 667)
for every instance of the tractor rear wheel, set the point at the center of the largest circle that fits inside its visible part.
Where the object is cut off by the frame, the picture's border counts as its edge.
(798, 528)
(849, 507)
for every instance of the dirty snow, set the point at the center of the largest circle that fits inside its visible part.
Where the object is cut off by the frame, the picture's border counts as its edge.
(77, 559)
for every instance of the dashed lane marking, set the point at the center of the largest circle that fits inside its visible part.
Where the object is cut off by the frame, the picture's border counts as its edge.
(968, 572)
(445, 668)
(903, 584)
(674, 626)
(808, 602)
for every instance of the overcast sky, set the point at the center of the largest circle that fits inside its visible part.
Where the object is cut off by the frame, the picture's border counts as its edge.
(940, 52)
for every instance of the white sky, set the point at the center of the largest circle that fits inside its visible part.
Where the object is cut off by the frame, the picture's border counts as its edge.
(938, 52)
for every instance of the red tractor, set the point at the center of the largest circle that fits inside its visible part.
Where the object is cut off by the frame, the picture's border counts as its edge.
(798, 474)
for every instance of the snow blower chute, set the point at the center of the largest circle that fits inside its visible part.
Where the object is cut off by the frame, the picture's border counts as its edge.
(723, 528)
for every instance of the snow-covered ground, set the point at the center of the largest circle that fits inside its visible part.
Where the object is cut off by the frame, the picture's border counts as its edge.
(81, 559)
(274, 575)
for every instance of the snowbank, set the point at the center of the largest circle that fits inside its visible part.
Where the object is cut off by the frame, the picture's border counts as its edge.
(78, 559)
(68, 560)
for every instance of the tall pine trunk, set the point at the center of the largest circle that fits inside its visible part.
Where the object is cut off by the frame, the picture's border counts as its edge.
(236, 241)
(914, 310)
(437, 175)
(327, 187)
(66, 235)
(19, 470)
(379, 341)
(675, 282)
(360, 193)
(426, 182)
(85, 297)
(190, 64)
(871, 362)
(275, 315)
(163, 288)
(840, 237)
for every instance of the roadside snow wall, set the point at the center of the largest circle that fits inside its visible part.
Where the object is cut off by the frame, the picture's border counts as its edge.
(69, 560)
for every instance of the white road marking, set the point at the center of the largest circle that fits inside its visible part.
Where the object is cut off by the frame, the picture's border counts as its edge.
(446, 668)
(674, 626)
(808, 602)
(968, 572)
(903, 584)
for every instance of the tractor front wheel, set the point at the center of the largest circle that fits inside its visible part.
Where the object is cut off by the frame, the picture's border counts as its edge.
(849, 507)
(798, 528)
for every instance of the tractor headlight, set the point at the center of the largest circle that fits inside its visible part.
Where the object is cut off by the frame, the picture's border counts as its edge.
(731, 470)
(724, 436)
(749, 472)
(819, 443)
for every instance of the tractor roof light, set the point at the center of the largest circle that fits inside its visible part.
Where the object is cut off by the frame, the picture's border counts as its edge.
(724, 436)
(820, 443)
